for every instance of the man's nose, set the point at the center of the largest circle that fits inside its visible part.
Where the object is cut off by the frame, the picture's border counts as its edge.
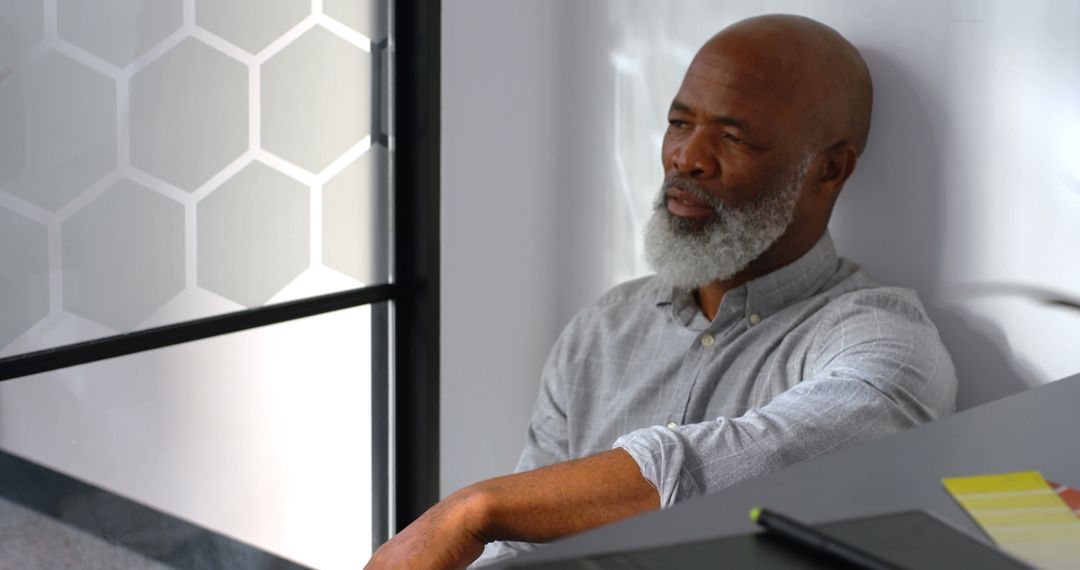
(696, 157)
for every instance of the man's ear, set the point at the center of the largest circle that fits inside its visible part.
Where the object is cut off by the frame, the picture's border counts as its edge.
(839, 164)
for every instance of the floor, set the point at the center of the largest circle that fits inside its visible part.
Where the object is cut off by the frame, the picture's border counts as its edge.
(31, 540)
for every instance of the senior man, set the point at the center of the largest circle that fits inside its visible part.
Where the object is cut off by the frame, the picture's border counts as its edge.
(754, 346)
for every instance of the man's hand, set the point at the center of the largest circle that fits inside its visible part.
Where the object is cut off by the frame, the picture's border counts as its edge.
(536, 506)
(444, 537)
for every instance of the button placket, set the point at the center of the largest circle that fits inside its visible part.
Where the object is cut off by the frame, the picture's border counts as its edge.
(694, 360)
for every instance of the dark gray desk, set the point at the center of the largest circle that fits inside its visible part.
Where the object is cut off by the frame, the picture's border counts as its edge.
(1035, 430)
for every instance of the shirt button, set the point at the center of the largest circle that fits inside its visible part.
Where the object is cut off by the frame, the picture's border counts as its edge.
(755, 319)
(707, 340)
(672, 425)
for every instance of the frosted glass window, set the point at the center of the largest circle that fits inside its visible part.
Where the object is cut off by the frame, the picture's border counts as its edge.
(168, 160)
(263, 436)
(163, 161)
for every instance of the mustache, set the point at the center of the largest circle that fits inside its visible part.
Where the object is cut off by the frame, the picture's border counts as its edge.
(691, 186)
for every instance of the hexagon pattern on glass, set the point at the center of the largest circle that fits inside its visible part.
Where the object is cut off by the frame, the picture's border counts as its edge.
(24, 274)
(353, 224)
(316, 99)
(118, 31)
(81, 110)
(253, 235)
(368, 18)
(189, 114)
(136, 189)
(59, 130)
(123, 255)
(233, 21)
(22, 25)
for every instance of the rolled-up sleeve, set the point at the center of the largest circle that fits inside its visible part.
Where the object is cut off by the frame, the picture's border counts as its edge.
(877, 367)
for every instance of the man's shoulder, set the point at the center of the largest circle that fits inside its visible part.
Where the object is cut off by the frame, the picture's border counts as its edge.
(625, 302)
(854, 293)
(641, 290)
(620, 310)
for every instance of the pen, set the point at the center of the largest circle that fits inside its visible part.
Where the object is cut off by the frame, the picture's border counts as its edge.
(807, 536)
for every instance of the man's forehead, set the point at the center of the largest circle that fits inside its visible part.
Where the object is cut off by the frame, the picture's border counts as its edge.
(717, 73)
(717, 79)
(755, 62)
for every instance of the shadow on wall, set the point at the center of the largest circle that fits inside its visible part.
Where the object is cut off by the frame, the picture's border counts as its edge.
(891, 220)
(996, 384)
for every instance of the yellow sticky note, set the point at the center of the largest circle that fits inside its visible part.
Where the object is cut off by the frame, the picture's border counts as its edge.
(1023, 515)
(1003, 483)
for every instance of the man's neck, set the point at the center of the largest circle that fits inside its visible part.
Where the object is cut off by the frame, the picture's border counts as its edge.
(710, 296)
(780, 254)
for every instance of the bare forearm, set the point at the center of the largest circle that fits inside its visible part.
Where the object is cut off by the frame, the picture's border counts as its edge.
(537, 506)
(554, 501)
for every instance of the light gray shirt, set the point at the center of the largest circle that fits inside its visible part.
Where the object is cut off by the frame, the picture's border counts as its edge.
(808, 359)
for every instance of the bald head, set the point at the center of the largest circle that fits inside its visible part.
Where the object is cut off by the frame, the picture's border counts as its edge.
(818, 72)
(763, 133)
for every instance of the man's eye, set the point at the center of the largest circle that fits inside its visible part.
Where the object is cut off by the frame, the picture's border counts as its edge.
(732, 138)
(677, 123)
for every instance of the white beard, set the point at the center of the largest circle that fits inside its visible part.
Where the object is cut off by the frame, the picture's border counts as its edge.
(690, 257)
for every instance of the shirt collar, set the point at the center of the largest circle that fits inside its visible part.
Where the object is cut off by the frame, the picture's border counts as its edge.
(765, 295)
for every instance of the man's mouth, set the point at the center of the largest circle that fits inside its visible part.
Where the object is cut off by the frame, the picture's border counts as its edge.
(685, 205)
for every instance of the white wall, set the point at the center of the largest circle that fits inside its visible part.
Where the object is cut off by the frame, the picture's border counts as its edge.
(971, 179)
(500, 189)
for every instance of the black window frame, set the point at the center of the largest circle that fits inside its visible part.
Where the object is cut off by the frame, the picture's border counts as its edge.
(405, 312)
